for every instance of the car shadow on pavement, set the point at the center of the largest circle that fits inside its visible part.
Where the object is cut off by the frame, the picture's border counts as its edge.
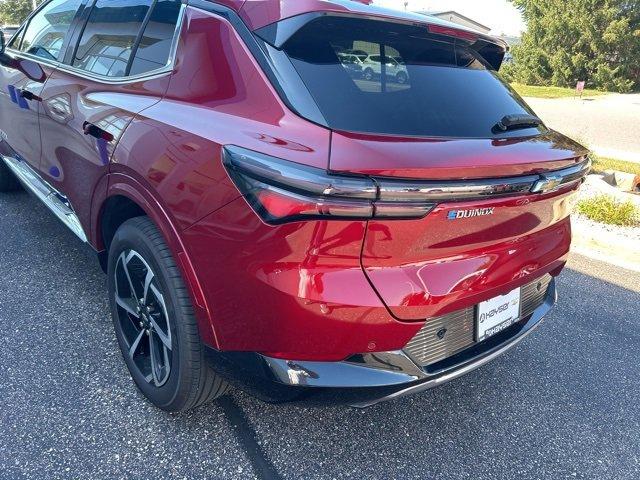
(563, 403)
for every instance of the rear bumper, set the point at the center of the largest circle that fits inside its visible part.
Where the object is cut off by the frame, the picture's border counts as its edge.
(367, 379)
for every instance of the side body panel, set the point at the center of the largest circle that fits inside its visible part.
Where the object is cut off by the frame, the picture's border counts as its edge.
(292, 291)
(172, 151)
(218, 96)
(20, 116)
(72, 161)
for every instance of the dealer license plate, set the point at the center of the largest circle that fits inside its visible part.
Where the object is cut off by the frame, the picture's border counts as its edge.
(496, 314)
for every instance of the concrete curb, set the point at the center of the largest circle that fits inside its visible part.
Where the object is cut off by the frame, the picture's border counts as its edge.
(606, 246)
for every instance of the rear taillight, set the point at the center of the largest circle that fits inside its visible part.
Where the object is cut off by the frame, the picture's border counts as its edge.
(281, 191)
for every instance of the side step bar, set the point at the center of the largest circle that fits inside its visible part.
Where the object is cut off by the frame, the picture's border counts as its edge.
(48, 195)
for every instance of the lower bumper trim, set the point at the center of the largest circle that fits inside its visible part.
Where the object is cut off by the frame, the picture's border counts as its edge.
(367, 379)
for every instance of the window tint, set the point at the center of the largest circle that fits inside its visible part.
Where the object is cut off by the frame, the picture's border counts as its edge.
(110, 35)
(409, 82)
(46, 31)
(155, 45)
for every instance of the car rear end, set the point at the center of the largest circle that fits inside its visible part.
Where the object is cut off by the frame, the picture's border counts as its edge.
(463, 196)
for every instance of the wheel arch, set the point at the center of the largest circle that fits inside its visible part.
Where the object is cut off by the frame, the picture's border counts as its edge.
(127, 198)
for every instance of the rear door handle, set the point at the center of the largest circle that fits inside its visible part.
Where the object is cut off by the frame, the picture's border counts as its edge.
(97, 132)
(27, 95)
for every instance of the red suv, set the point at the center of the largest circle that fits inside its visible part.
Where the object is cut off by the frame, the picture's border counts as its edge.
(270, 217)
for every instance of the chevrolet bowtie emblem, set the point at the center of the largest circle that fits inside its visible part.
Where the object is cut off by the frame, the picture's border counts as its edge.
(546, 184)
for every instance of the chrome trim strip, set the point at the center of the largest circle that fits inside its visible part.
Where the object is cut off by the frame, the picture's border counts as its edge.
(157, 73)
(459, 190)
(375, 370)
(429, 190)
(48, 195)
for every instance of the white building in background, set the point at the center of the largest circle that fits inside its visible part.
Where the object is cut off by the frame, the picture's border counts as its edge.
(455, 17)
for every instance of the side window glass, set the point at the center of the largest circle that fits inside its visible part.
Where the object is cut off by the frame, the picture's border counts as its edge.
(155, 45)
(15, 41)
(46, 31)
(109, 36)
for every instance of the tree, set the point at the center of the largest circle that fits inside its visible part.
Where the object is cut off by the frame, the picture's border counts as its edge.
(13, 12)
(570, 40)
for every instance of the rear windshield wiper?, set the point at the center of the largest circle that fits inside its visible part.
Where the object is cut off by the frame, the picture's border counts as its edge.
(513, 122)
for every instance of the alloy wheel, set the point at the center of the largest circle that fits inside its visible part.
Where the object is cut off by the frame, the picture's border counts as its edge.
(143, 317)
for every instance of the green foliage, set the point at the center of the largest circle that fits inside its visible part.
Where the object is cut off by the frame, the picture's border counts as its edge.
(606, 209)
(551, 92)
(600, 164)
(13, 12)
(570, 40)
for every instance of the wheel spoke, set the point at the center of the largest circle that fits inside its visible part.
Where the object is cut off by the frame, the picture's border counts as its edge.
(126, 304)
(165, 338)
(125, 261)
(160, 298)
(154, 366)
(136, 344)
(159, 371)
(147, 284)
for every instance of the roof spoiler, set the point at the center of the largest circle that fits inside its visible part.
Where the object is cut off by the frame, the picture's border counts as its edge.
(490, 48)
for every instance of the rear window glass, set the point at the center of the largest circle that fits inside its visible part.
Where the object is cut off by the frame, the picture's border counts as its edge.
(380, 77)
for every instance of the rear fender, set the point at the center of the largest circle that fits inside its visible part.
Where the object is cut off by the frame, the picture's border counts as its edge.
(127, 186)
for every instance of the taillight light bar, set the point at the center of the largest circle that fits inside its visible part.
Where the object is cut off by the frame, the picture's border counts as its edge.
(452, 32)
(281, 191)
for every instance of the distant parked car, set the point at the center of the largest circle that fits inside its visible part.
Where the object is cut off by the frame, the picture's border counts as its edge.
(352, 63)
(394, 68)
(9, 30)
(361, 54)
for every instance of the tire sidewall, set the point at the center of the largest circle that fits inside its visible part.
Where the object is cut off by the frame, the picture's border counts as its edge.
(130, 237)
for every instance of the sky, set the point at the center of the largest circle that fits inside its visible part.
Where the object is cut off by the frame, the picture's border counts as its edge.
(500, 15)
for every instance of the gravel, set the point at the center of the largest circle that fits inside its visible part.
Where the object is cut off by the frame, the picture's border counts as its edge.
(595, 186)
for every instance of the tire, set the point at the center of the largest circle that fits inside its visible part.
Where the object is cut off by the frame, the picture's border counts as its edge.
(368, 74)
(157, 331)
(401, 78)
(8, 181)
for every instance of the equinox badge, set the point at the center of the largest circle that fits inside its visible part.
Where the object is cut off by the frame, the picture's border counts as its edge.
(472, 212)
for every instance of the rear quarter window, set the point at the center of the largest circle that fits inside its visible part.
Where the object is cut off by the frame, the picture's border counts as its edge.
(127, 37)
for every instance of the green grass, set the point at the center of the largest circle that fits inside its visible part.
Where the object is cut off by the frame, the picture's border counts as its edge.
(600, 164)
(552, 92)
(606, 209)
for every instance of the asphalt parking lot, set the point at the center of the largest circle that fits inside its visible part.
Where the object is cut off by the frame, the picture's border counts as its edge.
(607, 124)
(565, 403)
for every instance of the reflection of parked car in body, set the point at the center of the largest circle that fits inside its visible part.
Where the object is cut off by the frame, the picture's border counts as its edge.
(373, 68)
(265, 219)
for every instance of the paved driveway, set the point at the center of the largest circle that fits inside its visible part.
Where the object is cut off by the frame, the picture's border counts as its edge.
(610, 125)
(565, 403)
